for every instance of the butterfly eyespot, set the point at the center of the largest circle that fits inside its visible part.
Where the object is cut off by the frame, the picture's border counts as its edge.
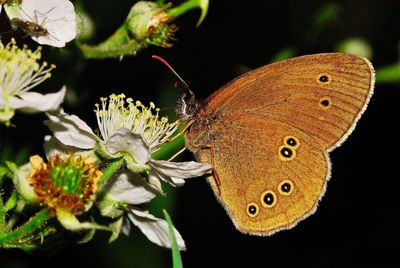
(324, 79)
(292, 141)
(286, 154)
(286, 187)
(325, 103)
(268, 199)
(252, 209)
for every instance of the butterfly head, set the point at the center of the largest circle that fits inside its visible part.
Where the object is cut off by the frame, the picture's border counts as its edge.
(187, 107)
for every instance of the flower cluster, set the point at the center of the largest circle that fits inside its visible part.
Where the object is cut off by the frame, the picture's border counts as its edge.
(20, 71)
(131, 131)
(71, 181)
(90, 179)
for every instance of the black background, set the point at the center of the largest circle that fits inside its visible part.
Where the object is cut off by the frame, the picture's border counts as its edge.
(357, 222)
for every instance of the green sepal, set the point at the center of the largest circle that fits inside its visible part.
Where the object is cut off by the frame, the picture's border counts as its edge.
(20, 177)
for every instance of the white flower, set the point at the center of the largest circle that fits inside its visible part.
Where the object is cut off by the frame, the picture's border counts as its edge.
(19, 73)
(133, 132)
(57, 17)
(129, 130)
(132, 189)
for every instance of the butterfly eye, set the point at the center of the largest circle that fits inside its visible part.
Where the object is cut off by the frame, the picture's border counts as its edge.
(324, 78)
(286, 187)
(292, 141)
(286, 154)
(268, 199)
(252, 209)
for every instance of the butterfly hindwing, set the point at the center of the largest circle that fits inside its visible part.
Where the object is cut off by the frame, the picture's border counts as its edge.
(248, 162)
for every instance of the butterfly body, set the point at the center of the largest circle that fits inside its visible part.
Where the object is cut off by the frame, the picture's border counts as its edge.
(268, 133)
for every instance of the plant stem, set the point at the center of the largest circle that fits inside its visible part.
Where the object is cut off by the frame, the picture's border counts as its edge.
(11, 202)
(119, 44)
(183, 8)
(188, 5)
(29, 227)
(110, 170)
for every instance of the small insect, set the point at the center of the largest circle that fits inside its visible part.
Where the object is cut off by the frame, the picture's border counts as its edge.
(29, 27)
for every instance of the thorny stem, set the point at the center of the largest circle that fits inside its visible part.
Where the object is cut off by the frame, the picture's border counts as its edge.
(15, 215)
(11, 202)
(30, 226)
(119, 44)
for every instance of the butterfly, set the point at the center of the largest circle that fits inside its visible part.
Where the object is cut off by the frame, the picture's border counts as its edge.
(268, 134)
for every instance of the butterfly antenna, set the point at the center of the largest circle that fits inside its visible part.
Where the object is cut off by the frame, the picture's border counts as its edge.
(173, 71)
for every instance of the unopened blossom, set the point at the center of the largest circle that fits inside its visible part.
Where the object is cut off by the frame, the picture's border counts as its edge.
(20, 71)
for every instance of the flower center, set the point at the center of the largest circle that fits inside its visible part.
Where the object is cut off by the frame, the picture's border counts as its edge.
(116, 112)
(67, 183)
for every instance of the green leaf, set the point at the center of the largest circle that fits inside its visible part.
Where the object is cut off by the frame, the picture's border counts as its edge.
(176, 256)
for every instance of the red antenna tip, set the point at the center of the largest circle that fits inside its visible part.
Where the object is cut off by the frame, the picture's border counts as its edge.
(172, 70)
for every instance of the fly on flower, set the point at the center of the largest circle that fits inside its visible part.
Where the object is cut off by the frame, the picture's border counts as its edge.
(29, 27)
(48, 22)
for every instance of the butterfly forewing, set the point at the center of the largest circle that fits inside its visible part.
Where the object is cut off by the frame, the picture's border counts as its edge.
(322, 95)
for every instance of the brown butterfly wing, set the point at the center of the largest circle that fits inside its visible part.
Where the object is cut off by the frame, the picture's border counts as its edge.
(247, 161)
(323, 95)
(316, 100)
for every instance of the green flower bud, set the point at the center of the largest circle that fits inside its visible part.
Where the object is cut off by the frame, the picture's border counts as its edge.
(149, 23)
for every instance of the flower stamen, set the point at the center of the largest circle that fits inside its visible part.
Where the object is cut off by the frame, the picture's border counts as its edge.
(67, 183)
(118, 112)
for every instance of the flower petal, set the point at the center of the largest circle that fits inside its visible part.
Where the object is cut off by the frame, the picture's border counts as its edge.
(130, 188)
(154, 174)
(71, 130)
(181, 170)
(123, 140)
(56, 16)
(154, 181)
(32, 102)
(126, 226)
(155, 229)
(53, 146)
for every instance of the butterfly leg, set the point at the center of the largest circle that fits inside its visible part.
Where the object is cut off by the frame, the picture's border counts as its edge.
(212, 162)
(180, 133)
(214, 171)
(176, 154)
